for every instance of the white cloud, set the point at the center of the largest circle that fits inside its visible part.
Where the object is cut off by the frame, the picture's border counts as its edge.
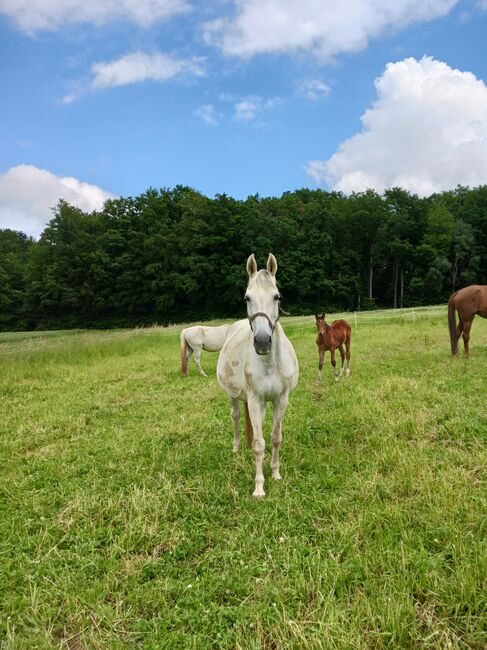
(314, 89)
(28, 193)
(208, 114)
(138, 66)
(324, 27)
(133, 68)
(426, 132)
(246, 109)
(36, 15)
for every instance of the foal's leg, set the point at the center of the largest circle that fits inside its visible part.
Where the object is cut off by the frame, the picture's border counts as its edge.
(320, 367)
(280, 405)
(235, 418)
(342, 358)
(197, 358)
(347, 351)
(334, 363)
(256, 411)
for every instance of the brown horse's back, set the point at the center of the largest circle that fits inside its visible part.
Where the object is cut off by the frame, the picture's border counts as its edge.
(471, 300)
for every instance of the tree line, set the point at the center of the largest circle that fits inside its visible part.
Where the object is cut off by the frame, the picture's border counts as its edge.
(174, 255)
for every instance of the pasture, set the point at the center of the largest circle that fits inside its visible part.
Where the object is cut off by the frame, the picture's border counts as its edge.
(127, 522)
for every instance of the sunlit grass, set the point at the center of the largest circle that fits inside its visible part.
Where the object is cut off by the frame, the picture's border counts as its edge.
(126, 521)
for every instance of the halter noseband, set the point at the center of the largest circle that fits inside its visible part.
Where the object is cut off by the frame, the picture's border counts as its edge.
(261, 313)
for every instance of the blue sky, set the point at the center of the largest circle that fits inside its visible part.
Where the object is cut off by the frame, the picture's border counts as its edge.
(244, 97)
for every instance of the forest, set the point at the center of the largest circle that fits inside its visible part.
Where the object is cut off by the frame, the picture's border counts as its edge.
(175, 255)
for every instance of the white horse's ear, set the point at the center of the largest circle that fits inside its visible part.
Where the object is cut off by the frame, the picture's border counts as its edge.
(251, 266)
(272, 264)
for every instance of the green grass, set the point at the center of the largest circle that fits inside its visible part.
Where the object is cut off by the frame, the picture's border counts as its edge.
(127, 522)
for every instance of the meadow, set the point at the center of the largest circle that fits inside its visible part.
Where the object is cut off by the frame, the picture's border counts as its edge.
(127, 522)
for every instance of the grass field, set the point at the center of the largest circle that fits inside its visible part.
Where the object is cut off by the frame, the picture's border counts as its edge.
(127, 522)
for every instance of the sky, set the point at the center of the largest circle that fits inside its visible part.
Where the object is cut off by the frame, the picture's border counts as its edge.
(107, 99)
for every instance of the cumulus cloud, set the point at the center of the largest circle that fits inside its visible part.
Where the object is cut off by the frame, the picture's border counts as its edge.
(426, 132)
(28, 193)
(324, 27)
(36, 15)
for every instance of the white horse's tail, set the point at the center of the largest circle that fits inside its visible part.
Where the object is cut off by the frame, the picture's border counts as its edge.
(185, 353)
(249, 431)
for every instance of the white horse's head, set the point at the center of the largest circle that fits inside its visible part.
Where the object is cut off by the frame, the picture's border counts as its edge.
(262, 297)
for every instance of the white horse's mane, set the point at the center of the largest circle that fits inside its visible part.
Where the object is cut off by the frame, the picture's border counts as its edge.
(263, 280)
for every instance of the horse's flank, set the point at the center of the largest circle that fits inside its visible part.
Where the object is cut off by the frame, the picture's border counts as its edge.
(468, 302)
(201, 337)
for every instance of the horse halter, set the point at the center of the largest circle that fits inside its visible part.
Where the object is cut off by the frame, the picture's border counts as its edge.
(261, 313)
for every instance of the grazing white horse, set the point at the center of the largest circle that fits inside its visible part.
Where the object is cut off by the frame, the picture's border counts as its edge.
(198, 338)
(257, 364)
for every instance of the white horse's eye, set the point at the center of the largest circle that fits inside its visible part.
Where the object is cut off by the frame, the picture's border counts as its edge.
(246, 298)
(277, 297)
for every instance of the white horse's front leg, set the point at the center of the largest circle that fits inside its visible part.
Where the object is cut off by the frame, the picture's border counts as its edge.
(235, 418)
(197, 358)
(280, 405)
(256, 411)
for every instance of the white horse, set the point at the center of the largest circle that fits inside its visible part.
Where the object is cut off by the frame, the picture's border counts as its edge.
(257, 364)
(198, 338)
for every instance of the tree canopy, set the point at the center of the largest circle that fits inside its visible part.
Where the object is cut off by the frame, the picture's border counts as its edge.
(173, 255)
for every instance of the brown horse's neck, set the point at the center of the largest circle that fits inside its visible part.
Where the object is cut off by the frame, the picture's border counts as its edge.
(327, 335)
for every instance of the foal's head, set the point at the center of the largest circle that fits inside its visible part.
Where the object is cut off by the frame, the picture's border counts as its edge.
(262, 298)
(320, 323)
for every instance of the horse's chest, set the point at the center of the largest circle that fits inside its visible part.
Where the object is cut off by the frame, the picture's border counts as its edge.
(269, 385)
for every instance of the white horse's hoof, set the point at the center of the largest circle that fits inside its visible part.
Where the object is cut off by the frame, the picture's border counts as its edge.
(259, 491)
(337, 378)
(235, 449)
(276, 476)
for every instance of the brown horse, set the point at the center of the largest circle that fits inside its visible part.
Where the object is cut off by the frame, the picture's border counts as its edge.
(468, 302)
(331, 337)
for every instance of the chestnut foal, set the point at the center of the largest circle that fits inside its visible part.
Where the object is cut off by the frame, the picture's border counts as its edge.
(331, 337)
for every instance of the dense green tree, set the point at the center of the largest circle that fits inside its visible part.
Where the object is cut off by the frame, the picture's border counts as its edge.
(14, 252)
(172, 255)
